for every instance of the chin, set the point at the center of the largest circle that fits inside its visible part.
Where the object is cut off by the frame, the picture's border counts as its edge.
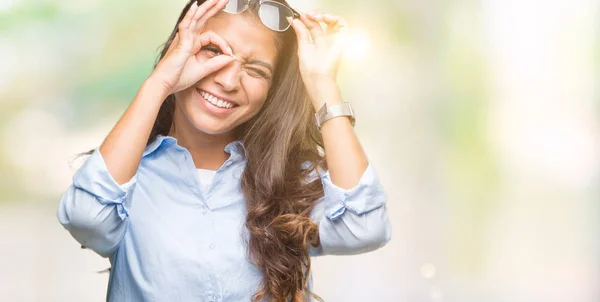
(208, 124)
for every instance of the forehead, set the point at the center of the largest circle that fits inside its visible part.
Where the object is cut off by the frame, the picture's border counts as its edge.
(246, 35)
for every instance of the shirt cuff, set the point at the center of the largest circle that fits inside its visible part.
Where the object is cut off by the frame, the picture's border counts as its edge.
(93, 177)
(364, 197)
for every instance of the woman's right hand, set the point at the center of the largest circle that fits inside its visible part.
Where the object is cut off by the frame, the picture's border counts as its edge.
(179, 69)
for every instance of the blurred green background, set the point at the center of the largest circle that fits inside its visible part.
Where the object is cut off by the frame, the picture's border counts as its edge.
(481, 118)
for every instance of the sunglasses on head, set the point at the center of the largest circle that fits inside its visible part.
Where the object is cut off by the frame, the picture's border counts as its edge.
(273, 14)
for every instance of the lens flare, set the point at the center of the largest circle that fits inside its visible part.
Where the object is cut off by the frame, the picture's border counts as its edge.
(357, 44)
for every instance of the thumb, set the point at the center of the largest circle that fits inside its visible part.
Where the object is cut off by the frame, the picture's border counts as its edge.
(215, 64)
(302, 33)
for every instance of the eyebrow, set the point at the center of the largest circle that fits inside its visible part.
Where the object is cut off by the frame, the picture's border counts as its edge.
(261, 63)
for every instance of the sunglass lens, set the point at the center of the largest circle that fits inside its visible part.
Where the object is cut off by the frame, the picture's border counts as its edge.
(236, 6)
(273, 15)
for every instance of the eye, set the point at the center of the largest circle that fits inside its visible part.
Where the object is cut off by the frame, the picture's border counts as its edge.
(257, 73)
(212, 48)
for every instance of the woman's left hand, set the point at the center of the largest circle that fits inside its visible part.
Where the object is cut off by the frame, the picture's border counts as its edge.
(320, 52)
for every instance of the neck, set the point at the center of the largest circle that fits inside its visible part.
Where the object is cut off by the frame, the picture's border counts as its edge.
(207, 150)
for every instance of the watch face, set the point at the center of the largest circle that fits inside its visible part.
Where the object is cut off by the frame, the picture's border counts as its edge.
(326, 113)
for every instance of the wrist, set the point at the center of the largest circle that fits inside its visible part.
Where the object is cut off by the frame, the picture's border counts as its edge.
(157, 87)
(330, 94)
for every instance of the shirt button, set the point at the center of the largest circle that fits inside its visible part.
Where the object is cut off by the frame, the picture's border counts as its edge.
(203, 209)
(211, 246)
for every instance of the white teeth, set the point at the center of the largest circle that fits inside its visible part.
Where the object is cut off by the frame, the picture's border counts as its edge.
(215, 101)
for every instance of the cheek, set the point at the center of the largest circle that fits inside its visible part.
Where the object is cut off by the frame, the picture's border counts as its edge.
(256, 90)
(185, 100)
(183, 96)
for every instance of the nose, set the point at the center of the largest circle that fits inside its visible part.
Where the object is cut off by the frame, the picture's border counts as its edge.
(229, 76)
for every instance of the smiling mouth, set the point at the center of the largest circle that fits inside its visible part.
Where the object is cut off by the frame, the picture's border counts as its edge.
(216, 101)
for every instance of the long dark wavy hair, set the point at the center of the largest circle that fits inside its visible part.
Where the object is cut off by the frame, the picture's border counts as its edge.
(279, 199)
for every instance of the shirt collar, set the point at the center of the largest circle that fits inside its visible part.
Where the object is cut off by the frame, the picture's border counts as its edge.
(234, 147)
(158, 141)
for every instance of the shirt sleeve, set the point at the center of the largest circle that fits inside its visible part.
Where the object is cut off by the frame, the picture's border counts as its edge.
(352, 221)
(94, 207)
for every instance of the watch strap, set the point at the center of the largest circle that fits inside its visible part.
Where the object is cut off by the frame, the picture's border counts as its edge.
(328, 112)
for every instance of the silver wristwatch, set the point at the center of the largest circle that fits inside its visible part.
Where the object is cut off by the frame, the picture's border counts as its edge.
(328, 112)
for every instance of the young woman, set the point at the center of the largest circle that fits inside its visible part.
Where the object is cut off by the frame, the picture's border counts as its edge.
(213, 185)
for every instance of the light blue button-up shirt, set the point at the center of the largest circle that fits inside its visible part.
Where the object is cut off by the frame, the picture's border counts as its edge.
(170, 240)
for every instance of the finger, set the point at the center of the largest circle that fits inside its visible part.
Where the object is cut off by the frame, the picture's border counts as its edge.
(185, 23)
(316, 31)
(333, 22)
(315, 12)
(217, 6)
(173, 42)
(214, 64)
(312, 14)
(337, 26)
(199, 12)
(177, 44)
(172, 45)
(205, 7)
(210, 37)
(302, 33)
